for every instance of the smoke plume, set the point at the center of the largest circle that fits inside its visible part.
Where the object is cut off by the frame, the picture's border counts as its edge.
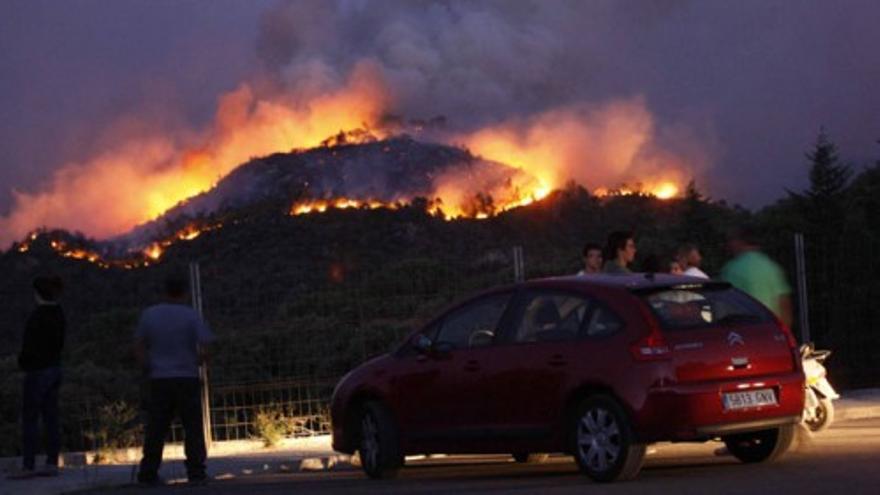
(514, 81)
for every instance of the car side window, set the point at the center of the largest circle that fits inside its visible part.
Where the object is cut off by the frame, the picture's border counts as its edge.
(474, 325)
(602, 322)
(552, 317)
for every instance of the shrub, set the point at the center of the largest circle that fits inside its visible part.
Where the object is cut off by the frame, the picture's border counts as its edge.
(271, 425)
(117, 426)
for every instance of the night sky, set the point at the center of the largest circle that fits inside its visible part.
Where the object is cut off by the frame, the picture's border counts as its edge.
(749, 83)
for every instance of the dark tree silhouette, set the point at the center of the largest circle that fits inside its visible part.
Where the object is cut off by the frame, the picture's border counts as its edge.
(823, 207)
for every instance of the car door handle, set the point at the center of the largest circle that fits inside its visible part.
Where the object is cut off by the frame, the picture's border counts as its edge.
(557, 361)
(472, 366)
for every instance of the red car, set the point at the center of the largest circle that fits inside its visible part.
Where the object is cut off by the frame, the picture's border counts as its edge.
(593, 366)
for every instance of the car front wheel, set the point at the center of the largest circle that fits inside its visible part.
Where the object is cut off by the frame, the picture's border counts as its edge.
(379, 447)
(605, 447)
(760, 446)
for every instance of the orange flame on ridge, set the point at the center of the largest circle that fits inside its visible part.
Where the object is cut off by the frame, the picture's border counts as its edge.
(144, 175)
(449, 209)
(152, 253)
(322, 205)
(587, 145)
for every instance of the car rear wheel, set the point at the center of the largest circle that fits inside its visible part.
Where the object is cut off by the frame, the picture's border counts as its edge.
(605, 446)
(526, 458)
(379, 447)
(760, 446)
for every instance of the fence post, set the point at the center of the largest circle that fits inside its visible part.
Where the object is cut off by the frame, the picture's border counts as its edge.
(803, 307)
(195, 283)
(518, 264)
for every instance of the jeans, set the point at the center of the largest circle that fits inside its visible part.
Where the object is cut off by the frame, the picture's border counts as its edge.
(40, 400)
(170, 396)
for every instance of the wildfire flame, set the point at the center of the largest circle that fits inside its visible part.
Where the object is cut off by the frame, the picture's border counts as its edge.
(321, 205)
(155, 250)
(148, 172)
(152, 253)
(662, 190)
(437, 206)
(589, 145)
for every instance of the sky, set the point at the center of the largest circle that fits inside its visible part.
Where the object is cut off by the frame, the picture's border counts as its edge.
(733, 93)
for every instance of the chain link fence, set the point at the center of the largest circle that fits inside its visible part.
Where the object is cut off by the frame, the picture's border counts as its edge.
(284, 363)
(287, 360)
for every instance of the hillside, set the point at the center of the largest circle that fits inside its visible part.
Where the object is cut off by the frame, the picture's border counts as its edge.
(392, 170)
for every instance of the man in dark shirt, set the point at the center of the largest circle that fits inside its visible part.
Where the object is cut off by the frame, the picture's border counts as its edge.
(40, 359)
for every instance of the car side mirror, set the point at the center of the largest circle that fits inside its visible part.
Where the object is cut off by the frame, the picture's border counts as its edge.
(481, 338)
(422, 344)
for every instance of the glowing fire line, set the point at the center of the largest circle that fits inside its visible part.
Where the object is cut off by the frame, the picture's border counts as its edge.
(152, 253)
(155, 251)
(662, 190)
(435, 207)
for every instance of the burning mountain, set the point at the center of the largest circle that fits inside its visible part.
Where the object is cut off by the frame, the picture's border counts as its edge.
(362, 172)
(351, 170)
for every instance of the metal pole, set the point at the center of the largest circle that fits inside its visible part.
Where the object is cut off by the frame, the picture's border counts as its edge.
(803, 307)
(195, 282)
(518, 264)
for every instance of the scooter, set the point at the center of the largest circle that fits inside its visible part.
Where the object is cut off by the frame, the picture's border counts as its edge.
(818, 408)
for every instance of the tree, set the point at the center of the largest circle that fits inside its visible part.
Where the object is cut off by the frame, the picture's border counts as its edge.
(823, 207)
(828, 177)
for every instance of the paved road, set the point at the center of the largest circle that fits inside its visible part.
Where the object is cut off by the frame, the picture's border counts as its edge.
(845, 459)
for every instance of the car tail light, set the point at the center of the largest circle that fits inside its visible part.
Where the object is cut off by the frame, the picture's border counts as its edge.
(651, 347)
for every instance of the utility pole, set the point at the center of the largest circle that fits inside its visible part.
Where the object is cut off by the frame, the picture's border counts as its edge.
(803, 307)
(195, 283)
(519, 267)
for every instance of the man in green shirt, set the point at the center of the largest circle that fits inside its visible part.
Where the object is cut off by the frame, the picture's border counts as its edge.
(756, 274)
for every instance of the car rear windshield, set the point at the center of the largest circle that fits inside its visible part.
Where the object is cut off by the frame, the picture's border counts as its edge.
(680, 308)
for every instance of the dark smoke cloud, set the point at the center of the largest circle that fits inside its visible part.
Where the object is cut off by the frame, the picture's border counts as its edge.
(747, 83)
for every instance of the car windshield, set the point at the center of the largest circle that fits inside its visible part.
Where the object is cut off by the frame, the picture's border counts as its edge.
(683, 308)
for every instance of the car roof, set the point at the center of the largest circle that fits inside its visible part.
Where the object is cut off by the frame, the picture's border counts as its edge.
(635, 282)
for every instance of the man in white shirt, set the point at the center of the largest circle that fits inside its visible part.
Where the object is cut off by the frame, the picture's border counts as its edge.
(689, 258)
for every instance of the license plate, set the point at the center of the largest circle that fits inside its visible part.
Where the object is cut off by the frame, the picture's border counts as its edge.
(750, 398)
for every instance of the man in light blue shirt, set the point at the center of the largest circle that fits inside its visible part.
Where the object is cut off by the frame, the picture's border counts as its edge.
(170, 343)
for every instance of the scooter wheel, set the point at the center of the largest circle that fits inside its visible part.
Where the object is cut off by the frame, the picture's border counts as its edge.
(823, 416)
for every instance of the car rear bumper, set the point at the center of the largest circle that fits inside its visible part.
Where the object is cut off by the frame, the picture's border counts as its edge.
(696, 410)
(763, 424)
